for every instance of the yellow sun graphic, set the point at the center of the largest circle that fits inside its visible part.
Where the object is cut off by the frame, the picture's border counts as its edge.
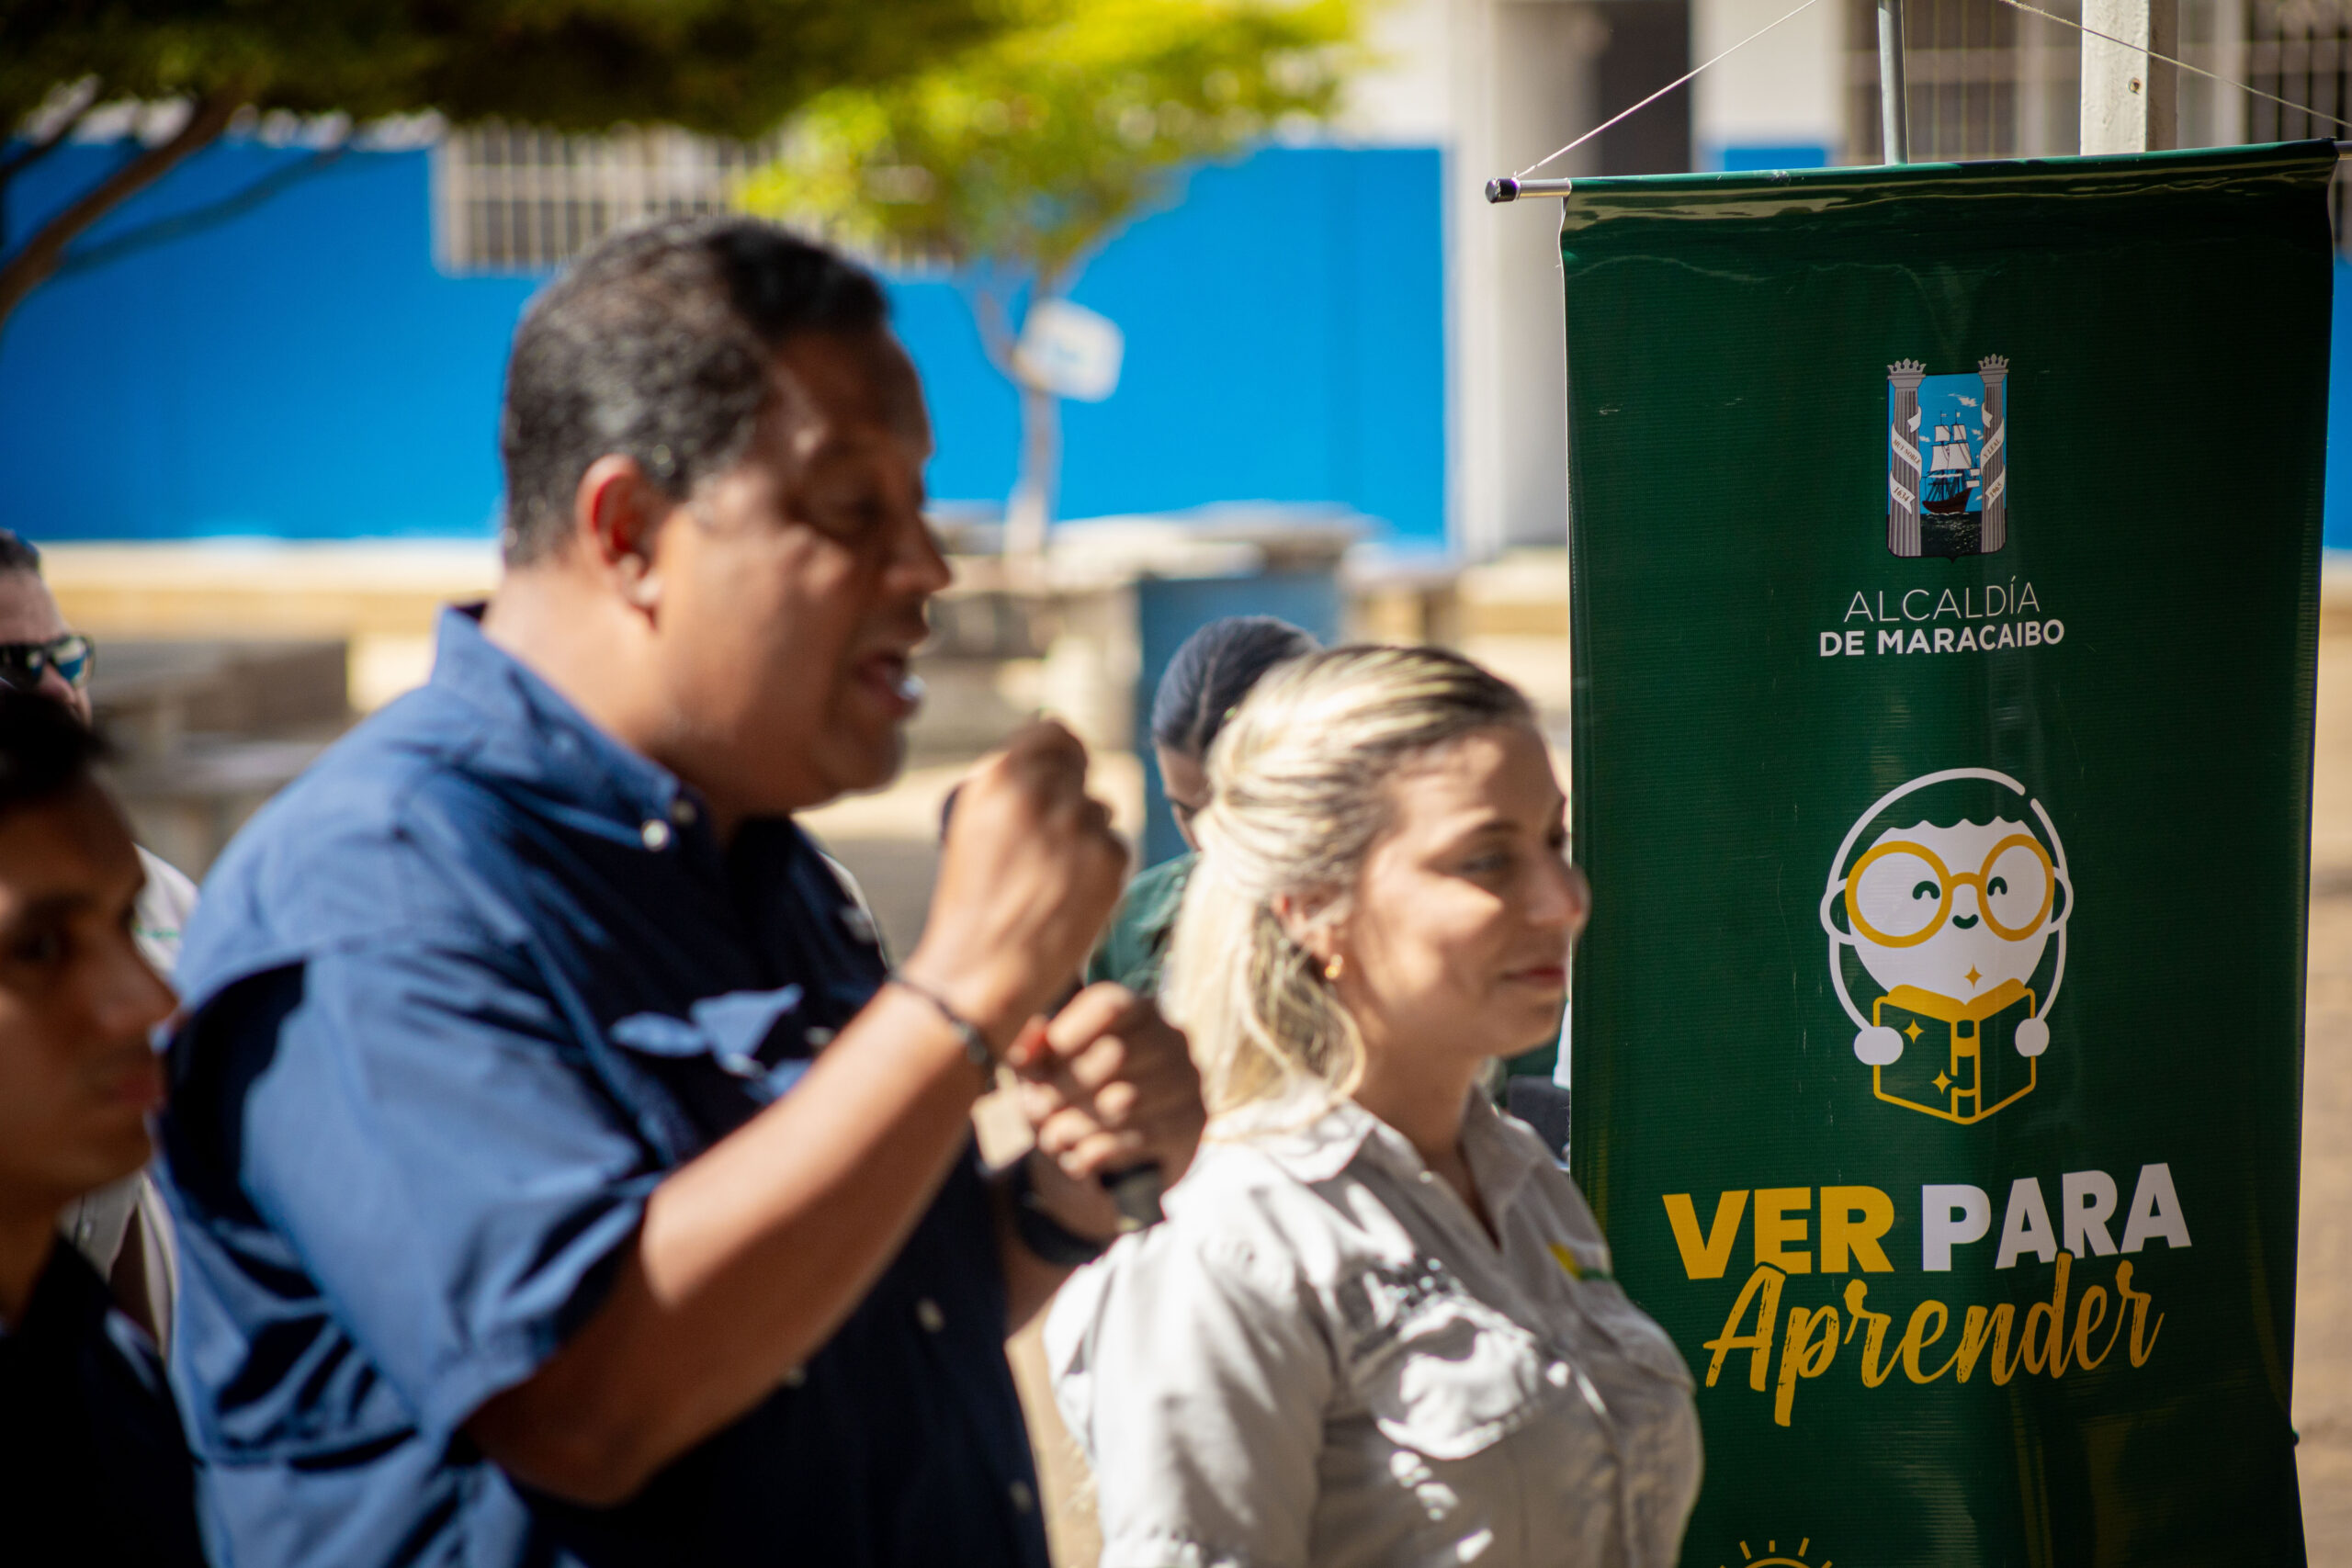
(1772, 1558)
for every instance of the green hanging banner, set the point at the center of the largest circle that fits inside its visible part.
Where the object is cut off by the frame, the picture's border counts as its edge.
(1945, 545)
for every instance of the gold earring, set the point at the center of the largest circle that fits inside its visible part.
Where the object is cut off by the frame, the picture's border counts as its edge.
(1335, 968)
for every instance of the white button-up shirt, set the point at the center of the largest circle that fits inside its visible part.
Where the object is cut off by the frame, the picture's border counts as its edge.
(1323, 1359)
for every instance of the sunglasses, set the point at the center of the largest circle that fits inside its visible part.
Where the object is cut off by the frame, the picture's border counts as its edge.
(22, 664)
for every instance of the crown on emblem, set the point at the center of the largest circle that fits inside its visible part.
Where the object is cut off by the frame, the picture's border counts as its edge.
(1993, 362)
(1901, 365)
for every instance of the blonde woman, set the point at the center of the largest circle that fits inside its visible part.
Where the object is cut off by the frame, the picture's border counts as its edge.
(1378, 1327)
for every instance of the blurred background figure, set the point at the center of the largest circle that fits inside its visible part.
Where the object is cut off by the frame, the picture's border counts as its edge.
(1378, 1327)
(90, 1456)
(1207, 679)
(123, 1227)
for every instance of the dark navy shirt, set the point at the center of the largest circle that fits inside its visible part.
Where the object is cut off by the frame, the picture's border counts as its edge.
(91, 1457)
(458, 1000)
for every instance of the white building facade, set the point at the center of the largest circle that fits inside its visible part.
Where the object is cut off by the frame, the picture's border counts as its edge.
(1499, 84)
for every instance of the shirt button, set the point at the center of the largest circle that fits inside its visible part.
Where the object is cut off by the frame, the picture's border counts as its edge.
(1556, 1374)
(818, 1038)
(796, 1377)
(927, 1313)
(682, 812)
(1023, 1500)
(656, 833)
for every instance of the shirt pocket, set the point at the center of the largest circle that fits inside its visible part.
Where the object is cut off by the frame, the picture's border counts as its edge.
(1448, 1376)
(731, 1055)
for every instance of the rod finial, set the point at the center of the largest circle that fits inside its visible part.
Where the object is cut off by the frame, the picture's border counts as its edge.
(1503, 189)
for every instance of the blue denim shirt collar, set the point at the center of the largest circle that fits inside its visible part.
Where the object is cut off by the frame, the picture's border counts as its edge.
(536, 738)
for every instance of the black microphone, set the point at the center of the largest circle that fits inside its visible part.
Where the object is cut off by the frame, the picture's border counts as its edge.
(1135, 1189)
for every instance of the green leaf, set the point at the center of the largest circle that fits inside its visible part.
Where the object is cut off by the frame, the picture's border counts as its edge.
(1021, 156)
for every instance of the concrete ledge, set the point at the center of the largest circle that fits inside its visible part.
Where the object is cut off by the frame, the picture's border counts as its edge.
(266, 588)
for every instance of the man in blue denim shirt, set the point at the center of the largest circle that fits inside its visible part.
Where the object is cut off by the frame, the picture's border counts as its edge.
(564, 1176)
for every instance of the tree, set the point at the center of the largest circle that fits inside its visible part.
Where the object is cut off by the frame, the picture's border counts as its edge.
(1016, 159)
(726, 67)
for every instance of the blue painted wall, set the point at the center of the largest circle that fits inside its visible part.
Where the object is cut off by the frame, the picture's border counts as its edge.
(1779, 155)
(304, 371)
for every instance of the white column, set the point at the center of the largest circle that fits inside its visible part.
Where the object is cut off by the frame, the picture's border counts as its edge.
(1906, 463)
(1476, 448)
(1993, 472)
(1524, 86)
(2231, 18)
(2131, 103)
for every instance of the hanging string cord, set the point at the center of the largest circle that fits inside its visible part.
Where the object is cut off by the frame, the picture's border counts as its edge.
(2183, 65)
(1659, 94)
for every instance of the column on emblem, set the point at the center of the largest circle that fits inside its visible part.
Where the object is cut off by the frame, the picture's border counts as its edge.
(1904, 468)
(1993, 465)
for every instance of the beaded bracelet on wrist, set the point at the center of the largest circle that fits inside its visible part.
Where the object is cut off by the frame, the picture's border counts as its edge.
(967, 1034)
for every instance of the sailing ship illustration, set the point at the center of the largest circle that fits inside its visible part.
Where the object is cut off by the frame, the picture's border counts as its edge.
(1947, 460)
(1952, 473)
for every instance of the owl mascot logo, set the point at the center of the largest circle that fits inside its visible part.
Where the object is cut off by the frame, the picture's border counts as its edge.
(1960, 927)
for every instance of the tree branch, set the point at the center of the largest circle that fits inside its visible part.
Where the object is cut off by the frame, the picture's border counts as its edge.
(182, 224)
(996, 328)
(40, 256)
(87, 96)
(990, 312)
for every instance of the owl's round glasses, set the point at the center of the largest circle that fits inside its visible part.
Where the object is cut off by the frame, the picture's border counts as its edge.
(1941, 881)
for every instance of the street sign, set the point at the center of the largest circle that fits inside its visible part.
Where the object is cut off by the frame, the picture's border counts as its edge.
(1070, 351)
(1945, 547)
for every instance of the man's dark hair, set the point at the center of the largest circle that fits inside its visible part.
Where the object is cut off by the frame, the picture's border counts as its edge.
(44, 749)
(17, 554)
(657, 345)
(1213, 672)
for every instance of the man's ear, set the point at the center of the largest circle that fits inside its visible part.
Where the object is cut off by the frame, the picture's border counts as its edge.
(616, 512)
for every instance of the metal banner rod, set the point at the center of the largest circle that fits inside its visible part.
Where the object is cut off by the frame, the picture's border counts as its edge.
(1893, 91)
(1509, 189)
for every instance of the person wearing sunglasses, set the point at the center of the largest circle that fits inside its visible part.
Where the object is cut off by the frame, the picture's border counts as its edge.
(57, 667)
(123, 1228)
(37, 652)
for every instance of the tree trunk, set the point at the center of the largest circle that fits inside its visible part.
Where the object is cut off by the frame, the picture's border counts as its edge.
(39, 257)
(1029, 514)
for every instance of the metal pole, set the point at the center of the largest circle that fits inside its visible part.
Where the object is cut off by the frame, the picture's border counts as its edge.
(1893, 93)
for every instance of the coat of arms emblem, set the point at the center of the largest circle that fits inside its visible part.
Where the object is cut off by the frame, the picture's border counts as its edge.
(1947, 460)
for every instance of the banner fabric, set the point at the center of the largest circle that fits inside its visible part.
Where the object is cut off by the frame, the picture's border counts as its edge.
(1945, 545)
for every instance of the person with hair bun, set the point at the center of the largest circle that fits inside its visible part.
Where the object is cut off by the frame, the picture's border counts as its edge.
(1378, 1327)
(1212, 671)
